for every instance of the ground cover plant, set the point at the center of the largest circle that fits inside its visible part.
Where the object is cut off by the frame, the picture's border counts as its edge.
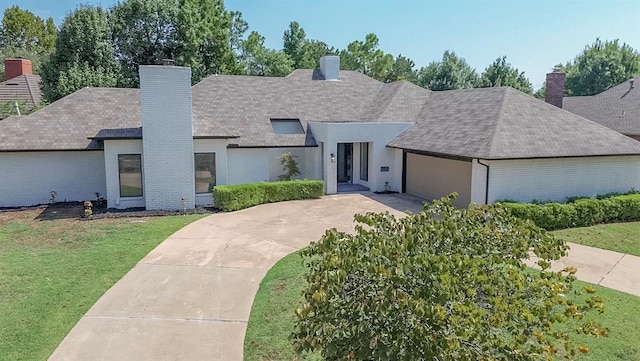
(54, 267)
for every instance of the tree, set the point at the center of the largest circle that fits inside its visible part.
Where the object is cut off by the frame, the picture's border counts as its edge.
(444, 284)
(236, 31)
(84, 55)
(289, 166)
(601, 66)
(501, 73)
(144, 32)
(449, 74)
(294, 40)
(312, 51)
(366, 58)
(23, 30)
(403, 69)
(204, 30)
(256, 59)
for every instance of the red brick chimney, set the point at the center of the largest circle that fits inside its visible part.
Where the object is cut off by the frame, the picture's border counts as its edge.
(555, 88)
(17, 67)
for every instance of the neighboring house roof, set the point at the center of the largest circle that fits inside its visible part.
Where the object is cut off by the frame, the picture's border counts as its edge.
(617, 108)
(23, 88)
(490, 123)
(503, 123)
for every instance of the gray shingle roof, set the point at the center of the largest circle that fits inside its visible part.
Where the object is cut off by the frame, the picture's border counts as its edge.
(24, 88)
(617, 108)
(503, 123)
(492, 123)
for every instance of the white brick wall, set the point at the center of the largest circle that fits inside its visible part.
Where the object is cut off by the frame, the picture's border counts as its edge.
(27, 178)
(165, 95)
(559, 178)
(111, 150)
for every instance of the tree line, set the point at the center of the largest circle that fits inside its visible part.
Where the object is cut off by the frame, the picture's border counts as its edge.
(104, 47)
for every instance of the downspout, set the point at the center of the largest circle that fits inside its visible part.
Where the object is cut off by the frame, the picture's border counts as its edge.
(486, 186)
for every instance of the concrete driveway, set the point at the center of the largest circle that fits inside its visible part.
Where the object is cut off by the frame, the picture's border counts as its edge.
(190, 298)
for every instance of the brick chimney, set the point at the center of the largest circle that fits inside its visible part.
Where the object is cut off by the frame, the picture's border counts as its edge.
(555, 88)
(17, 67)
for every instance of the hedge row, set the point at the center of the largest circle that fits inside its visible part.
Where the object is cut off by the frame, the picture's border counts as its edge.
(240, 196)
(580, 213)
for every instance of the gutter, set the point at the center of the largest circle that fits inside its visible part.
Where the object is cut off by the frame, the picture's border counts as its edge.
(486, 186)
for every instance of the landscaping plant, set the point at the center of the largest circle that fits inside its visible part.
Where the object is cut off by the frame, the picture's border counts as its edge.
(444, 284)
(289, 166)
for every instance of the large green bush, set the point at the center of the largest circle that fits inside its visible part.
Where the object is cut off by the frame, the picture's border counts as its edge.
(443, 284)
(580, 212)
(240, 196)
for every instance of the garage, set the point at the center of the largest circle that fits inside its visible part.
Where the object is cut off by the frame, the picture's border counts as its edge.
(431, 178)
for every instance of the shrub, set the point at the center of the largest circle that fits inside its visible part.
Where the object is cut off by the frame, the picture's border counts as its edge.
(444, 284)
(240, 196)
(289, 166)
(581, 212)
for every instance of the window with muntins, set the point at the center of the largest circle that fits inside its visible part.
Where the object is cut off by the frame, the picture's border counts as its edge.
(130, 172)
(364, 162)
(205, 168)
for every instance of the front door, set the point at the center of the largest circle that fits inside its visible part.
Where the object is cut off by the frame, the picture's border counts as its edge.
(345, 161)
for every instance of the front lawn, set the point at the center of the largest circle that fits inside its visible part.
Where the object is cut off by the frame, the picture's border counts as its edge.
(54, 268)
(619, 237)
(272, 319)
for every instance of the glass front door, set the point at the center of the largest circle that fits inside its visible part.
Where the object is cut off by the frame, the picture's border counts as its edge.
(345, 162)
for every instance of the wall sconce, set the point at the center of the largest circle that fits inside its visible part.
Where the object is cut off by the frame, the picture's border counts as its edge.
(333, 158)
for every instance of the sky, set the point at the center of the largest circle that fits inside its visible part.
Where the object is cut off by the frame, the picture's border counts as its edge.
(535, 35)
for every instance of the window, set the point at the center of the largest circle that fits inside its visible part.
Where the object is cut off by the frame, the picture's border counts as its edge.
(130, 170)
(205, 167)
(287, 126)
(364, 162)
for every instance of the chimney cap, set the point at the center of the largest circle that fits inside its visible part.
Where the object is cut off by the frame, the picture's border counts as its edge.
(168, 62)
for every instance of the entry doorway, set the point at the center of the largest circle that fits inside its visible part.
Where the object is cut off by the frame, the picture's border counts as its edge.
(345, 163)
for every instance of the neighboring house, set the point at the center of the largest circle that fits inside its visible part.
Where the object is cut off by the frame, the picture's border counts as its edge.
(617, 108)
(168, 141)
(19, 85)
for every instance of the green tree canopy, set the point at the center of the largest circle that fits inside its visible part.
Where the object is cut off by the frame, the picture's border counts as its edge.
(84, 55)
(403, 69)
(601, 66)
(444, 284)
(294, 40)
(256, 59)
(452, 72)
(204, 31)
(501, 73)
(23, 30)
(365, 57)
(144, 32)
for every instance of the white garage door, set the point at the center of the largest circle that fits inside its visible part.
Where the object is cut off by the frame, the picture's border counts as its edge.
(431, 178)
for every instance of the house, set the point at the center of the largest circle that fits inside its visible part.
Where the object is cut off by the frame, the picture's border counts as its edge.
(617, 108)
(165, 145)
(20, 85)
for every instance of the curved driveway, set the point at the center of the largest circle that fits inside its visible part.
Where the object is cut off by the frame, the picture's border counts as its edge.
(190, 298)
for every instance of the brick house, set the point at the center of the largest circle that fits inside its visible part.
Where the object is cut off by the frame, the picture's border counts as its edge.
(168, 141)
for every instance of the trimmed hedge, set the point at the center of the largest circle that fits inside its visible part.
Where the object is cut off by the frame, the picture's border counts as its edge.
(582, 212)
(240, 196)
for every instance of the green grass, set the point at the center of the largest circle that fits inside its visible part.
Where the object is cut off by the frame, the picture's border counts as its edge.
(272, 318)
(53, 271)
(619, 237)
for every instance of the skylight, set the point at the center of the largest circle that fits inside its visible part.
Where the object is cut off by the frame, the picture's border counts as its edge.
(287, 126)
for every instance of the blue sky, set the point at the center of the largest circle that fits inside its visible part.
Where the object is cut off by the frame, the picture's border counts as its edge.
(533, 34)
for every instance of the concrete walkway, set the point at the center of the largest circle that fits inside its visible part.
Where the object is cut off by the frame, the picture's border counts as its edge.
(190, 298)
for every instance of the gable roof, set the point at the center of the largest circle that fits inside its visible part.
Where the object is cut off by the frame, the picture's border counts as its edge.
(617, 108)
(503, 123)
(24, 88)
